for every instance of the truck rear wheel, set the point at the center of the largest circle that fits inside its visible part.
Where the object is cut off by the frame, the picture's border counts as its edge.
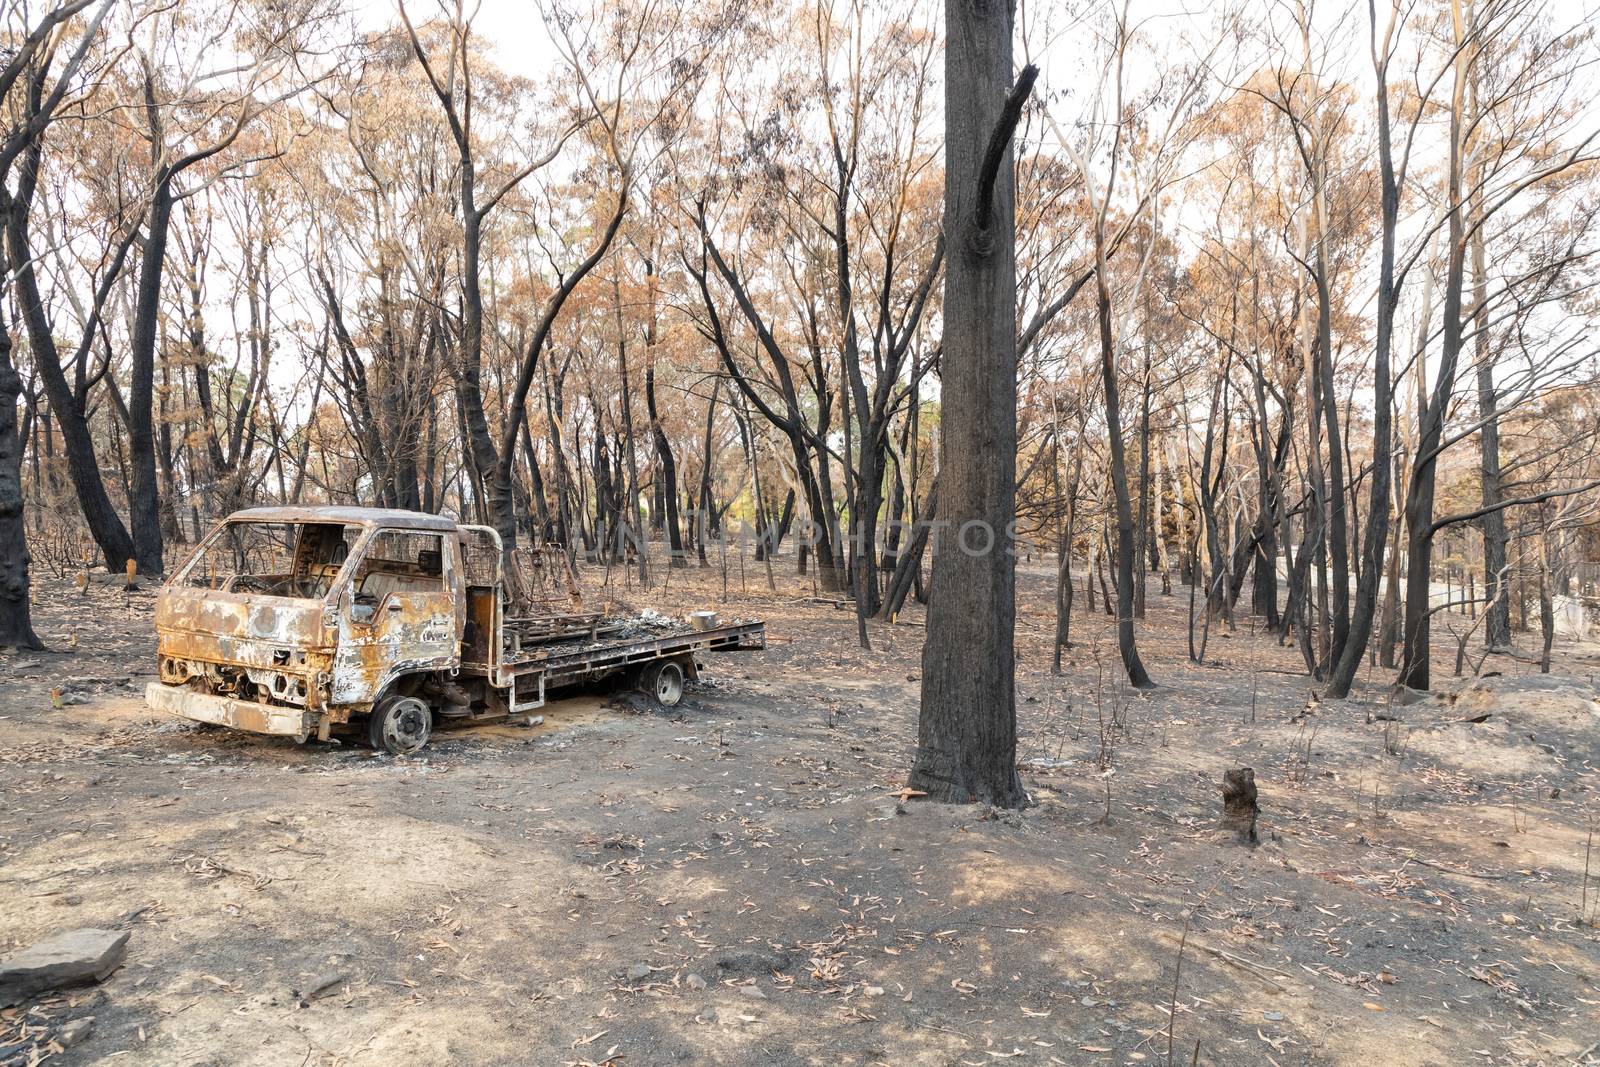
(400, 725)
(663, 680)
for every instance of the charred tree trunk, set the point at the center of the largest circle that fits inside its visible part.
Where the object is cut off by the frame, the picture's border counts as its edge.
(1497, 627)
(669, 469)
(16, 624)
(707, 507)
(1142, 525)
(908, 565)
(967, 729)
(144, 508)
(1414, 668)
(1359, 632)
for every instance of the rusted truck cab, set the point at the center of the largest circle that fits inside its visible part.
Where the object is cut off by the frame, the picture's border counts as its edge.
(291, 621)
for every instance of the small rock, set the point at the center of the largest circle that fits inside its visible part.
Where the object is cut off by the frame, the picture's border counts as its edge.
(753, 992)
(1272, 1016)
(638, 972)
(695, 982)
(74, 1031)
(873, 990)
(71, 958)
(319, 985)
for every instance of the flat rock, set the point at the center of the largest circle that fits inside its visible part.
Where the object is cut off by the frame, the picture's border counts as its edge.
(74, 1031)
(71, 958)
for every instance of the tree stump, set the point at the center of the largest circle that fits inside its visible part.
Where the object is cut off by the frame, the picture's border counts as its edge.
(1239, 804)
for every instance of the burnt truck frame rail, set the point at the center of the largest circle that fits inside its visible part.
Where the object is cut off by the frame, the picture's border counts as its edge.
(294, 621)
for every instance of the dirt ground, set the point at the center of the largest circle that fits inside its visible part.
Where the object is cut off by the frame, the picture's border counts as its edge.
(731, 883)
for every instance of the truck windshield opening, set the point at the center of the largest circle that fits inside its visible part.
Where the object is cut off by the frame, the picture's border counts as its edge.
(298, 560)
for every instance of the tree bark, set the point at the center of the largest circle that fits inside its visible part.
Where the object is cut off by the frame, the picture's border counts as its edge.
(1497, 627)
(1359, 633)
(144, 506)
(1414, 667)
(16, 623)
(967, 728)
(669, 467)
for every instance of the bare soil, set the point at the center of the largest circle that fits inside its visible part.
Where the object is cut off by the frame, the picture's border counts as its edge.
(1415, 899)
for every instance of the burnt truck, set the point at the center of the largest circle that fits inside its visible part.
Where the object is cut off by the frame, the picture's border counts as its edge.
(295, 621)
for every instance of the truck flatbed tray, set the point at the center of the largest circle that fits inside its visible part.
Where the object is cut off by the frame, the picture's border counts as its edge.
(556, 661)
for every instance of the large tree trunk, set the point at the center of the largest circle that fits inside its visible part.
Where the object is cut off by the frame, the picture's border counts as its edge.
(1414, 668)
(144, 506)
(1142, 524)
(1497, 627)
(669, 468)
(706, 517)
(967, 729)
(16, 625)
(493, 476)
(1377, 533)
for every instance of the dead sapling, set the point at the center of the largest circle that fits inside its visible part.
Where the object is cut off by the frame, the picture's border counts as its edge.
(1396, 737)
(1299, 763)
(1107, 726)
(1177, 974)
(1519, 821)
(1584, 915)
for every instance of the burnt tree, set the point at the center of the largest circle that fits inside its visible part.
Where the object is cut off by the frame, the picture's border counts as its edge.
(967, 729)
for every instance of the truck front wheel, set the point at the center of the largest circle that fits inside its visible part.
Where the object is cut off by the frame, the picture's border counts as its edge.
(400, 725)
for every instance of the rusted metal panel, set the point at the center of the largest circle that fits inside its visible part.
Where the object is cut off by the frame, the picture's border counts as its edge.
(408, 632)
(241, 619)
(401, 625)
(225, 711)
(279, 643)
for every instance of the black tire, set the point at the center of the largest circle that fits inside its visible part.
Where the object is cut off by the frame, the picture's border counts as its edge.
(663, 681)
(400, 725)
